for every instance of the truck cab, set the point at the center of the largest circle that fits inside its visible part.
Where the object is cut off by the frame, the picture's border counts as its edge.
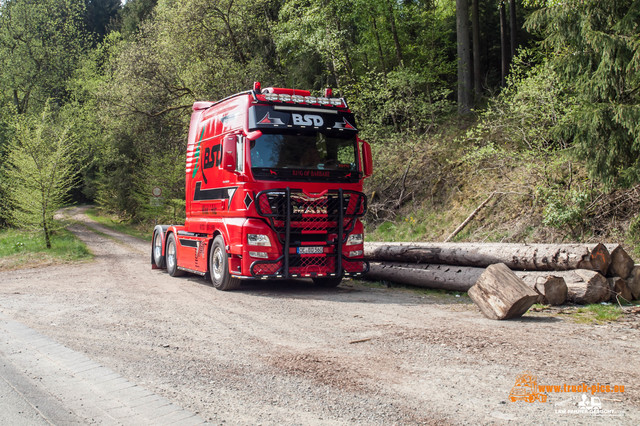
(273, 191)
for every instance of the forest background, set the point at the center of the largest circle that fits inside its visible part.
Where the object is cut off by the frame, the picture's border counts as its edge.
(532, 104)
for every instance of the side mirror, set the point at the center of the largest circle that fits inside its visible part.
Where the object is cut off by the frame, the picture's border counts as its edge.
(367, 159)
(229, 153)
(254, 135)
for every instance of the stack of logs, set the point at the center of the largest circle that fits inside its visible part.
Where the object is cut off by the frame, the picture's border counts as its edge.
(558, 273)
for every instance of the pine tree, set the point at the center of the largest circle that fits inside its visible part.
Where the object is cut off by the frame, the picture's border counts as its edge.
(594, 46)
(40, 171)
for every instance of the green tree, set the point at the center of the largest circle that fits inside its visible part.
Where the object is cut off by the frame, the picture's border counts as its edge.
(594, 47)
(101, 15)
(6, 129)
(186, 51)
(40, 170)
(133, 14)
(40, 45)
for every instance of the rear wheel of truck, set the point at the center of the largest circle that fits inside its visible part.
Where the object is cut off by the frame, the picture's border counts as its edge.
(171, 257)
(219, 267)
(158, 258)
(327, 282)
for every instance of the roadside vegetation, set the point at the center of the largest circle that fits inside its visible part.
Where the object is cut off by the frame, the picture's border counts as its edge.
(20, 249)
(532, 104)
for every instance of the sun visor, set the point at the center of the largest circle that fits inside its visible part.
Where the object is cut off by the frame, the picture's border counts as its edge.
(264, 117)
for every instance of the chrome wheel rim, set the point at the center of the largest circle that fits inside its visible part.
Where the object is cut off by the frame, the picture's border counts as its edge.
(157, 247)
(171, 255)
(217, 264)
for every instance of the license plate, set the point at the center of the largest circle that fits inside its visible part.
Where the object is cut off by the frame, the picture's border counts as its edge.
(310, 250)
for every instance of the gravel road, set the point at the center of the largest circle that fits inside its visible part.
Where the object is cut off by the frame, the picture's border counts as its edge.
(293, 353)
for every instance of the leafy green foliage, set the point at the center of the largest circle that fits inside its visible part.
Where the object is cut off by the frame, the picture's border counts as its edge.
(526, 114)
(100, 16)
(594, 49)
(40, 45)
(565, 209)
(40, 171)
(127, 75)
(133, 14)
(634, 234)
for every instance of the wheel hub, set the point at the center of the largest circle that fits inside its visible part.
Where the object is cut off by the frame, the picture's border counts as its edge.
(217, 264)
(171, 255)
(157, 247)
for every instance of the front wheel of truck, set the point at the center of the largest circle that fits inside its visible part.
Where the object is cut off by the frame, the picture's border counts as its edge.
(219, 267)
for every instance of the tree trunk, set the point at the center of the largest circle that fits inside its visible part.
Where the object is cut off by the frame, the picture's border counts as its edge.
(621, 262)
(442, 277)
(531, 257)
(633, 281)
(620, 291)
(378, 44)
(477, 63)
(394, 33)
(503, 45)
(500, 294)
(513, 27)
(464, 57)
(551, 288)
(468, 219)
(585, 287)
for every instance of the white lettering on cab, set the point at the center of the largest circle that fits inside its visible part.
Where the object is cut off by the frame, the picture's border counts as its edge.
(307, 120)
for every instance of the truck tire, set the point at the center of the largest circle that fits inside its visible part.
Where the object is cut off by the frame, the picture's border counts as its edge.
(219, 267)
(327, 282)
(171, 257)
(158, 258)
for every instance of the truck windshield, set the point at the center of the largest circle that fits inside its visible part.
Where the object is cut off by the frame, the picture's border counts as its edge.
(304, 151)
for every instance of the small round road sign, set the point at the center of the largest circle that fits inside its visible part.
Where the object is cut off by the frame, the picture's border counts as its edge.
(157, 192)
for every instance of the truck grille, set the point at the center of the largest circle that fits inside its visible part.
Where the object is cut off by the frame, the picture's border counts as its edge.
(300, 219)
(308, 215)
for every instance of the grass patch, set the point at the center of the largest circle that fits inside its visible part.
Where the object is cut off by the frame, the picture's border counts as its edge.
(20, 248)
(596, 313)
(112, 222)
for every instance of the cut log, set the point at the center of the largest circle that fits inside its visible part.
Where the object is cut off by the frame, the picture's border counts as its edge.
(526, 257)
(500, 294)
(585, 287)
(551, 287)
(633, 281)
(443, 277)
(620, 292)
(621, 263)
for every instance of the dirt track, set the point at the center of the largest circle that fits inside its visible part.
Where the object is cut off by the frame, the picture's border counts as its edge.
(292, 353)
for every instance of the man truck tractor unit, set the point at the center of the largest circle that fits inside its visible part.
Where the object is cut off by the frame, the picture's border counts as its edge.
(273, 191)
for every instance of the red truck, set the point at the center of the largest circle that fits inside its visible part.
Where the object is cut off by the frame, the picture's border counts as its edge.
(273, 191)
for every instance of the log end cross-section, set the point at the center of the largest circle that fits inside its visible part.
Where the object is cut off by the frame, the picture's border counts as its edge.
(621, 263)
(633, 281)
(500, 294)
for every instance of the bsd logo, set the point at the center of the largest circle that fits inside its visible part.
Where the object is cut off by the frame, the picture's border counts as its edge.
(307, 120)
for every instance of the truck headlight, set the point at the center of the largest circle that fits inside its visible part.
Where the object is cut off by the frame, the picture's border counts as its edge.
(355, 239)
(258, 240)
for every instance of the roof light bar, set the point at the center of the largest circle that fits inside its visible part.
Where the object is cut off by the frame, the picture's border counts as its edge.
(298, 99)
